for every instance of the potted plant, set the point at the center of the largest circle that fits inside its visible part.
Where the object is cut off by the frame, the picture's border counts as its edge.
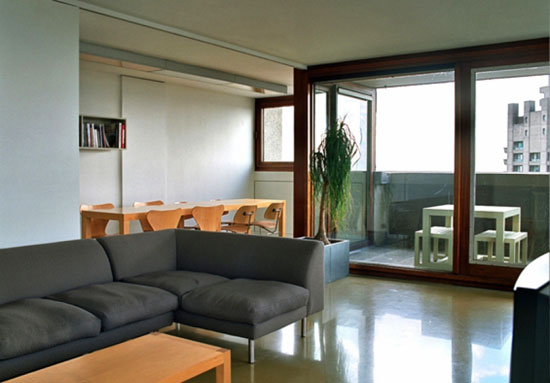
(330, 170)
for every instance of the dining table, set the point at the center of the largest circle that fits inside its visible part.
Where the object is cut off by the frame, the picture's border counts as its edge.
(499, 213)
(124, 215)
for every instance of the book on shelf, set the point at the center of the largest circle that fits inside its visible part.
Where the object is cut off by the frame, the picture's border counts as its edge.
(111, 134)
(104, 138)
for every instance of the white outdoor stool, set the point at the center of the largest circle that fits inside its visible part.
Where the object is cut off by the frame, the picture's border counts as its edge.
(436, 233)
(513, 238)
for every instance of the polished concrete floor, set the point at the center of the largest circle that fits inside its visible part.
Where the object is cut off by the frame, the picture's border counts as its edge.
(383, 331)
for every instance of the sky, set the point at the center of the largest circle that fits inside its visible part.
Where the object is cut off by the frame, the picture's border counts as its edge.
(492, 99)
(415, 124)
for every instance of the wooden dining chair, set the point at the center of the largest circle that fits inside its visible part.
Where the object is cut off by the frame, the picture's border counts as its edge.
(163, 219)
(143, 221)
(98, 225)
(242, 220)
(208, 218)
(272, 218)
(181, 224)
(225, 212)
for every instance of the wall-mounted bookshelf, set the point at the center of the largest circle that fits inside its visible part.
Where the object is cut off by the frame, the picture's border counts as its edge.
(101, 133)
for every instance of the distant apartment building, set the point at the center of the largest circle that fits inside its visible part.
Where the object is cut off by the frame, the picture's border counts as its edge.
(528, 149)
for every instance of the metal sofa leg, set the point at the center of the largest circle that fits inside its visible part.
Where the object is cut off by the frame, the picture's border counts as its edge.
(251, 351)
(304, 325)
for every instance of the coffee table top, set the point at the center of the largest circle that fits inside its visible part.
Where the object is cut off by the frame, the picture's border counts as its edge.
(155, 357)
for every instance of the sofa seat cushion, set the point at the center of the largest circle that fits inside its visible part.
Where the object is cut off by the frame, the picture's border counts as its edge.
(245, 300)
(34, 324)
(118, 303)
(177, 282)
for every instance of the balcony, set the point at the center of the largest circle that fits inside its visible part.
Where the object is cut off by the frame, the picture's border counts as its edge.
(399, 197)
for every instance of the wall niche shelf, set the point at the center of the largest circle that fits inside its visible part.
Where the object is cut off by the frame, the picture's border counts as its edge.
(102, 133)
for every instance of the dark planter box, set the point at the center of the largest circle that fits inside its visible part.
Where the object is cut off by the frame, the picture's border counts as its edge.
(336, 259)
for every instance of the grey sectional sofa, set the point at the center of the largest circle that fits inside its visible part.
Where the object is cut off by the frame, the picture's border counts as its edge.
(61, 300)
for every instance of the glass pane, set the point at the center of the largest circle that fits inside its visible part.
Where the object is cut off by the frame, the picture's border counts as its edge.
(353, 111)
(278, 134)
(402, 195)
(415, 128)
(511, 162)
(320, 108)
(321, 117)
(413, 177)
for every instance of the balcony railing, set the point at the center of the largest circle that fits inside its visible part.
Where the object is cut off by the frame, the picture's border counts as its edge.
(401, 196)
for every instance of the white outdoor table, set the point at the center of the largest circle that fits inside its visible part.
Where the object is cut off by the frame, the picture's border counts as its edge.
(498, 213)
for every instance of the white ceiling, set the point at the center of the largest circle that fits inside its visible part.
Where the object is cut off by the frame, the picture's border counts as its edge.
(310, 31)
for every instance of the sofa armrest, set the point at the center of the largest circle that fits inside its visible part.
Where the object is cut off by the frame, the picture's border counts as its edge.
(295, 261)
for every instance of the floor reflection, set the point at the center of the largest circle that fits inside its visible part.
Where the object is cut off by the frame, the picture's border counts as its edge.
(491, 364)
(400, 342)
(383, 331)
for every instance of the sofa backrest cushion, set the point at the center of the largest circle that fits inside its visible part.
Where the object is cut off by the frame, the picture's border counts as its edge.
(140, 253)
(243, 256)
(39, 270)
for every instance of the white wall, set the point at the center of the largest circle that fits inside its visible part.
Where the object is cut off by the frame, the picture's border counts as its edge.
(210, 145)
(39, 162)
(183, 143)
(100, 171)
(277, 185)
(144, 160)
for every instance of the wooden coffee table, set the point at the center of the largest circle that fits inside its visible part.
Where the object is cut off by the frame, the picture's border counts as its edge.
(155, 357)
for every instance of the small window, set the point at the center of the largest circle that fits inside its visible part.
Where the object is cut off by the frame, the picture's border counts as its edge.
(518, 157)
(518, 145)
(517, 168)
(544, 117)
(274, 134)
(544, 131)
(535, 157)
(526, 132)
(534, 168)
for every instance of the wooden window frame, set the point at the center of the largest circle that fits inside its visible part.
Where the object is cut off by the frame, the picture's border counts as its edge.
(464, 61)
(260, 105)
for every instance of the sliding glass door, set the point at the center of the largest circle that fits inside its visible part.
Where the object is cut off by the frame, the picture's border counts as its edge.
(453, 182)
(404, 126)
(512, 164)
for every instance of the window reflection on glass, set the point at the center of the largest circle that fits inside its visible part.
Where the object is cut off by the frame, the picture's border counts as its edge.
(534, 157)
(518, 157)
(510, 147)
(354, 112)
(518, 145)
(278, 134)
(321, 117)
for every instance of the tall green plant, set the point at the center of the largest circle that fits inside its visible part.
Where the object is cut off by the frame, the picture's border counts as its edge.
(330, 175)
